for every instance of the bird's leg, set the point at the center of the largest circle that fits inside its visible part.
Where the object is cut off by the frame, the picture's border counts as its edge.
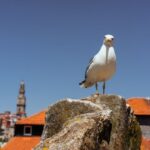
(104, 86)
(96, 86)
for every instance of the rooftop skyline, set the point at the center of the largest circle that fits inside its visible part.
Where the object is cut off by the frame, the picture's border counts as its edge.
(48, 45)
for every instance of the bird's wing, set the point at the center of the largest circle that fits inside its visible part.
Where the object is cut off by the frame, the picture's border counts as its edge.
(87, 68)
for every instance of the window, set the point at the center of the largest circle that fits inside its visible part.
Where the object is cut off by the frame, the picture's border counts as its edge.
(28, 130)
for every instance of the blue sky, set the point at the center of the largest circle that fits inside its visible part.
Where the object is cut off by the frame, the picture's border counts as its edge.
(48, 44)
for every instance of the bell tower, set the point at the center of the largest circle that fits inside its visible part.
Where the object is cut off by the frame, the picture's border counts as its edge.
(21, 101)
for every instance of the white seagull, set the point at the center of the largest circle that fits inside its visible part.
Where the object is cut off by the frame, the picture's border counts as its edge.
(102, 66)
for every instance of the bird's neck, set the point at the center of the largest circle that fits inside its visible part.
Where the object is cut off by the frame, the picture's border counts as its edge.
(104, 49)
(106, 46)
(105, 52)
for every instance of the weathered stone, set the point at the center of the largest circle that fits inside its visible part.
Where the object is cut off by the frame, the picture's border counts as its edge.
(98, 122)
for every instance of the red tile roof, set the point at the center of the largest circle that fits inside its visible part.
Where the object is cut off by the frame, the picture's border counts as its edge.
(145, 145)
(22, 143)
(29, 142)
(140, 106)
(36, 119)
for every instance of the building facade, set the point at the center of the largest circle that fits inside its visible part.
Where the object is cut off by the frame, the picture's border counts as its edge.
(28, 132)
(8, 119)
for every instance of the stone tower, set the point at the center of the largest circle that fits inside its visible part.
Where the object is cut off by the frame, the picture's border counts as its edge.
(21, 101)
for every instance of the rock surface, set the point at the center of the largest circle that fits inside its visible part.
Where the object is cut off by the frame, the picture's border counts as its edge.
(98, 122)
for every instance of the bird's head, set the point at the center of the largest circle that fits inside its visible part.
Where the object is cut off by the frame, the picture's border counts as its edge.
(108, 40)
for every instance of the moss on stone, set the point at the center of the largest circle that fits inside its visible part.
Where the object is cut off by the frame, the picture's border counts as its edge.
(134, 134)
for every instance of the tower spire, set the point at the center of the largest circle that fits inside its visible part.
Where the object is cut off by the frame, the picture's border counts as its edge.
(21, 101)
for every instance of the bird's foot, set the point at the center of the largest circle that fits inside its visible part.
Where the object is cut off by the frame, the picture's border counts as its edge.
(97, 93)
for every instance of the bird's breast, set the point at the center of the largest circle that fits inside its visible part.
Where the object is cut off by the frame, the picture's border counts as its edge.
(104, 65)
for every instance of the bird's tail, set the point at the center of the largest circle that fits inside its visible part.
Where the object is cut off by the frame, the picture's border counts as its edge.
(86, 84)
(82, 84)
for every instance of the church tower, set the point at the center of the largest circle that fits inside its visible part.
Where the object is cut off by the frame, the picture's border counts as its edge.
(21, 101)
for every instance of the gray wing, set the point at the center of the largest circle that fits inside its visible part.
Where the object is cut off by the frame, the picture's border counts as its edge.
(87, 68)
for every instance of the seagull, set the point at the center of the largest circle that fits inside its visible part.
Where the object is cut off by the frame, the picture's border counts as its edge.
(102, 66)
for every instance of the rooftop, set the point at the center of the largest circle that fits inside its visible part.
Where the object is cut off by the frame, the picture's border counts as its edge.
(22, 143)
(145, 145)
(36, 119)
(140, 106)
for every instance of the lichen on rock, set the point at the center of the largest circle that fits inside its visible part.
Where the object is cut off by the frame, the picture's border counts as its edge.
(98, 122)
